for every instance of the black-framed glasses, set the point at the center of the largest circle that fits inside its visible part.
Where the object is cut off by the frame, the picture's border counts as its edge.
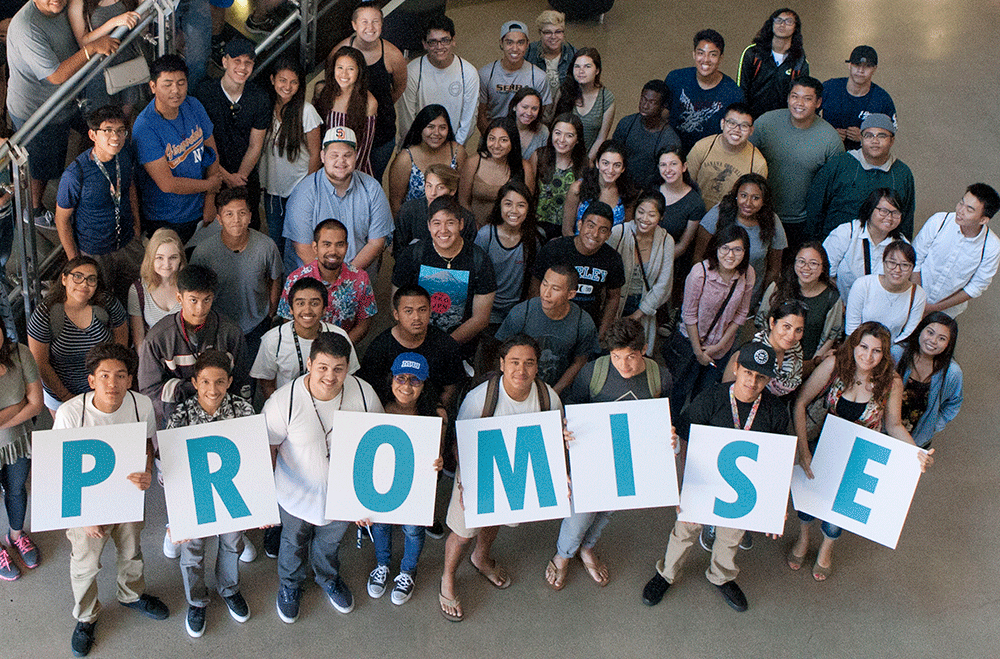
(404, 379)
(434, 43)
(778, 20)
(79, 278)
(120, 132)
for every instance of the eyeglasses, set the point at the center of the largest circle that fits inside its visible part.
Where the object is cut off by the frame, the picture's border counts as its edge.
(726, 249)
(896, 265)
(876, 137)
(120, 132)
(742, 126)
(553, 33)
(812, 265)
(79, 278)
(404, 379)
(888, 212)
(436, 43)
(784, 21)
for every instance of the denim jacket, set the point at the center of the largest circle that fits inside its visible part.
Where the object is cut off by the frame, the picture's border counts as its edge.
(534, 55)
(943, 400)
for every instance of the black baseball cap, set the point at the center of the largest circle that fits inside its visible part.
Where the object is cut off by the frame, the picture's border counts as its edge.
(863, 55)
(758, 357)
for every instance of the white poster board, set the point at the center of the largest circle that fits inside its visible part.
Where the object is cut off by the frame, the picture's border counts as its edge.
(79, 476)
(737, 479)
(620, 456)
(864, 481)
(217, 478)
(382, 468)
(513, 469)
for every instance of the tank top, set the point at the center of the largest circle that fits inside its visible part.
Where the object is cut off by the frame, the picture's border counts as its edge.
(380, 85)
(415, 186)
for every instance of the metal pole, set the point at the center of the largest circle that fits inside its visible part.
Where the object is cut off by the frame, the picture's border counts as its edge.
(307, 34)
(24, 225)
(277, 32)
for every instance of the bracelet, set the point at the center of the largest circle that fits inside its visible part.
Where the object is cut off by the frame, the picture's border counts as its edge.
(87, 53)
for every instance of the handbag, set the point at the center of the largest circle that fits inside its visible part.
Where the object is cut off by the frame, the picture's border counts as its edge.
(127, 74)
(816, 412)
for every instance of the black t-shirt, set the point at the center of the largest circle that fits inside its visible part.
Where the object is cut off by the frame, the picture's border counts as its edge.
(440, 350)
(452, 284)
(712, 408)
(233, 122)
(411, 224)
(599, 273)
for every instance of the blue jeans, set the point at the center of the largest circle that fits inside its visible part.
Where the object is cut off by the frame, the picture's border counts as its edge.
(688, 373)
(274, 211)
(580, 530)
(380, 156)
(413, 544)
(13, 477)
(829, 530)
(195, 18)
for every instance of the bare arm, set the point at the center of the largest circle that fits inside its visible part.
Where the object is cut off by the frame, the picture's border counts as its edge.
(610, 309)
(399, 180)
(368, 254)
(958, 297)
(529, 173)
(893, 412)
(64, 225)
(534, 287)
(816, 385)
(40, 351)
(133, 200)
(686, 238)
(313, 142)
(85, 36)
(483, 118)
(304, 252)
(465, 182)
(138, 330)
(360, 330)
(75, 62)
(481, 306)
(252, 155)
(702, 236)
(28, 408)
(162, 175)
(120, 334)
(570, 208)
(274, 295)
(773, 266)
(602, 134)
(570, 374)
(397, 69)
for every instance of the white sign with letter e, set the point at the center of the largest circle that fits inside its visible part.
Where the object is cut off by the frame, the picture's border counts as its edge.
(864, 481)
(513, 468)
(382, 468)
(217, 478)
(79, 476)
(737, 479)
(620, 456)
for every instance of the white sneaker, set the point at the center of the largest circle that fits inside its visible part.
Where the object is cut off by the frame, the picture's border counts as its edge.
(170, 549)
(249, 554)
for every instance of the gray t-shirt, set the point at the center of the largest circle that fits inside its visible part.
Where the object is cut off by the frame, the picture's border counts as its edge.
(497, 85)
(13, 387)
(243, 289)
(616, 387)
(561, 341)
(508, 266)
(36, 45)
(758, 250)
(793, 156)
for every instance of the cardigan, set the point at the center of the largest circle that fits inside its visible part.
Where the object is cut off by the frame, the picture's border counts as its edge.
(659, 273)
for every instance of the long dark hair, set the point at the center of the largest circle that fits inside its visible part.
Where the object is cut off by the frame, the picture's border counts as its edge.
(882, 374)
(100, 297)
(869, 204)
(570, 91)
(729, 210)
(7, 347)
(529, 228)
(911, 344)
(766, 33)
(291, 136)
(429, 113)
(357, 105)
(590, 184)
(788, 287)
(547, 154)
(523, 93)
(723, 236)
(514, 161)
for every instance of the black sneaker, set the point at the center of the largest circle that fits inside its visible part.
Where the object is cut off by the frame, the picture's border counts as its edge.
(436, 530)
(83, 639)
(272, 541)
(403, 589)
(288, 603)
(238, 608)
(150, 606)
(707, 537)
(340, 596)
(654, 590)
(734, 596)
(377, 580)
(195, 623)
(265, 25)
(746, 542)
(218, 49)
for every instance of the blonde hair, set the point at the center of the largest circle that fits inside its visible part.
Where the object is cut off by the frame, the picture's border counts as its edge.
(160, 237)
(550, 17)
(448, 175)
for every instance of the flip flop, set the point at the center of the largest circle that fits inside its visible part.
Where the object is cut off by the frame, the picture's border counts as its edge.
(496, 575)
(556, 576)
(821, 573)
(451, 603)
(597, 570)
(794, 560)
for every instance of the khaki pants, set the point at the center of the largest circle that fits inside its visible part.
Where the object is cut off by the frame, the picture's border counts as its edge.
(685, 534)
(85, 563)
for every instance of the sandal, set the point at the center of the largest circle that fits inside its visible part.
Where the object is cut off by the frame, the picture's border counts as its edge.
(794, 560)
(496, 575)
(556, 576)
(597, 570)
(453, 604)
(821, 573)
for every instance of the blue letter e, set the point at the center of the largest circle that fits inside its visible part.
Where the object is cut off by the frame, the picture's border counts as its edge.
(202, 480)
(746, 493)
(856, 479)
(75, 478)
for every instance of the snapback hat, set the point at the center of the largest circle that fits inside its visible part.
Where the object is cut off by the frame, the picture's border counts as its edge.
(412, 363)
(513, 26)
(340, 134)
(863, 55)
(758, 357)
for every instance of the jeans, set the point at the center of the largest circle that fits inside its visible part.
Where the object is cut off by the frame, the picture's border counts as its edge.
(413, 544)
(829, 530)
(13, 477)
(274, 211)
(301, 542)
(380, 157)
(195, 18)
(580, 530)
(688, 373)
(227, 571)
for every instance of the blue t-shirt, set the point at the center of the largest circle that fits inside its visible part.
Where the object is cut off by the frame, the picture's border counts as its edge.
(182, 142)
(695, 112)
(87, 191)
(841, 110)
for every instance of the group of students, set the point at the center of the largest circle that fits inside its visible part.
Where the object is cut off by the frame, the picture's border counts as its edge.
(542, 269)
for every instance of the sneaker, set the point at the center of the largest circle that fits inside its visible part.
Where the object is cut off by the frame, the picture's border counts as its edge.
(44, 218)
(264, 25)
(403, 589)
(746, 542)
(218, 49)
(288, 603)
(195, 623)
(376, 581)
(26, 548)
(707, 537)
(436, 530)
(149, 606)
(170, 549)
(734, 596)
(249, 553)
(340, 596)
(272, 541)
(83, 639)
(8, 571)
(654, 590)
(238, 608)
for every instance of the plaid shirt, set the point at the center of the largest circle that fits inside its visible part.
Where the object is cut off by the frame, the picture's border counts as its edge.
(190, 413)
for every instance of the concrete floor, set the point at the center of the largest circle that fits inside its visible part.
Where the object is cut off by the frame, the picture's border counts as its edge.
(931, 597)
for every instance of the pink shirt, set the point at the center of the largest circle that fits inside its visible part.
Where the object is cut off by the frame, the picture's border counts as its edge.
(704, 295)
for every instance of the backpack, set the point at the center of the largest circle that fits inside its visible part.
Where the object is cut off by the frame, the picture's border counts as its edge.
(493, 395)
(600, 376)
(57, 318)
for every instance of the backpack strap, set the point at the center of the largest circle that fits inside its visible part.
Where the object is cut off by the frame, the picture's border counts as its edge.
(600, 375)
(544, 402)
(57, 318)
(141, 295)
(652, 377)
(492, 395)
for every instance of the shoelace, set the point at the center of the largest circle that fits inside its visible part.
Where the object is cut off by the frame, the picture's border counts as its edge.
(4, 559)
(23, 544)
(403, 580)
(380, 574)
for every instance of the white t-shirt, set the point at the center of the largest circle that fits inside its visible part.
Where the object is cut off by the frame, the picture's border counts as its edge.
(300, 474)
(869, 300)
(134, 408)
(456, 87)
(475, 400)
(277, 359)
(277, 175)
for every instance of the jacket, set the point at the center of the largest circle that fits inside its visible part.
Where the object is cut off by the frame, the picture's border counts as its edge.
(659, 274)
(765, 84)
(944, 400)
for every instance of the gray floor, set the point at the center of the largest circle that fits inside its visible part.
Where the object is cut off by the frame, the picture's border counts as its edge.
(931, 597)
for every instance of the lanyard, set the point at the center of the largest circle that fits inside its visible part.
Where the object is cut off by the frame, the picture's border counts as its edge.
(298, 352)
(736, 413)
(116, 193)
(322, 426)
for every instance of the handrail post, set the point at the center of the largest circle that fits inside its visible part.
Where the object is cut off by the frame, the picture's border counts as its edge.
(307, 33)
(31, 286)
